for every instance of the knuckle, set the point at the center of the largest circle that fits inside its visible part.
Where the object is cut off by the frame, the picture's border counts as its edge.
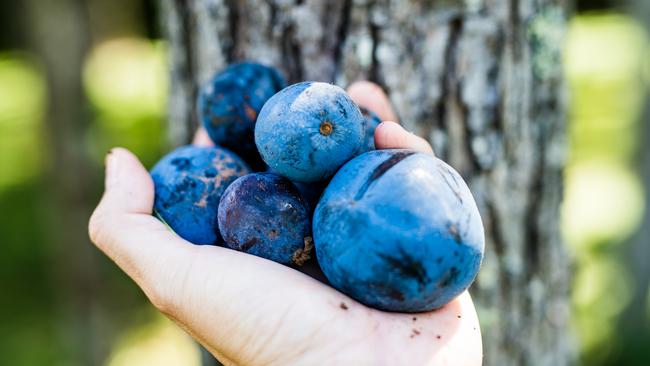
(170, 290)
(94, 227)
(160, 301)
(161, 296)
(97, 227)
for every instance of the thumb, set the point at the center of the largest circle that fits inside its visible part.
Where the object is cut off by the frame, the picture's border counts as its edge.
(390, 135)
(122, 225)
(128, 186)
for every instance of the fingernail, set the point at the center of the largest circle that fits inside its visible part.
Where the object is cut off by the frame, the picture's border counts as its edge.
(393, 123)
(110, 163)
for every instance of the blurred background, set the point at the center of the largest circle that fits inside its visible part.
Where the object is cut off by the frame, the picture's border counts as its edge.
(77, 78)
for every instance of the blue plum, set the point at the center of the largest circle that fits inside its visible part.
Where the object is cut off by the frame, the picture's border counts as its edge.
(310, 192)
(371, 121)
(189, 183)
(398, 230)
(308, 130)
(264, 214)
(228, 106)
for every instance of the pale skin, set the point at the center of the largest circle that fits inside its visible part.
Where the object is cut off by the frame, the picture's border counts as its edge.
(249, 311)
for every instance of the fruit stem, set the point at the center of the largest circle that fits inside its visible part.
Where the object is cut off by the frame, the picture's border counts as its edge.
(326, 128)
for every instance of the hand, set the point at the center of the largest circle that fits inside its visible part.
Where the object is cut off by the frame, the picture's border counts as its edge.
(250, 311)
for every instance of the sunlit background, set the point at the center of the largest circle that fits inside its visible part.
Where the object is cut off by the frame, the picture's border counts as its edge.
(59, 315)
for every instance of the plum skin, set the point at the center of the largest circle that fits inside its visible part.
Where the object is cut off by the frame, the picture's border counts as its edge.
(311, 192)
(229, 103)
(398, 230)
(265, 215)
(308, 130)
(371, 121)
(188, 183)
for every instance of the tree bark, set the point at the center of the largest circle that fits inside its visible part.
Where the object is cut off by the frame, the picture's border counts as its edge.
(481, 79)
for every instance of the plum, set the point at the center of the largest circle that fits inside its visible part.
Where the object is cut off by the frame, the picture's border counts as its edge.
(228, 106)
(308, 130)
(371, 121)
(310, 192)
(398, 230)
(264, 214)
(189, 183)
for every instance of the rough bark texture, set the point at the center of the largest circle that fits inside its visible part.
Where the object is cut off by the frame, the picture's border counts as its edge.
(481, 79)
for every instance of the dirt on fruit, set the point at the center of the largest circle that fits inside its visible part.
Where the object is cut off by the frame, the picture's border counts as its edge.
(301, 255)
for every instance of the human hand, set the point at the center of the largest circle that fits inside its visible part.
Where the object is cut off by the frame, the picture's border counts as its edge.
(250, 311)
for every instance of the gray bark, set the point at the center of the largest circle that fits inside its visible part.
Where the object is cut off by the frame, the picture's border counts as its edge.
(481, 79)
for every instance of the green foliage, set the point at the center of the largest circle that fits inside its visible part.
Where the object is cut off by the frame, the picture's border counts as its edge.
(126, 85)
(44, 314)
(24, 270)
(22, 103)
(603, 204)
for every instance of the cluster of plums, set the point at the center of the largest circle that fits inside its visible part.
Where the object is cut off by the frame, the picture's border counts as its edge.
(294, 168)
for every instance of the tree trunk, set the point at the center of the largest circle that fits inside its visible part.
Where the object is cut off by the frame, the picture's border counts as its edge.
(481, 79)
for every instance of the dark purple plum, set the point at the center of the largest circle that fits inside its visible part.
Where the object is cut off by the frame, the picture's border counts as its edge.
(265, 215)
(228, 106)
(189, 182)
(311, 192)
(371, 121)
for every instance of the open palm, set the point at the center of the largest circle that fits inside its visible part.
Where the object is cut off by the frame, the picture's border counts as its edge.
(250, 311)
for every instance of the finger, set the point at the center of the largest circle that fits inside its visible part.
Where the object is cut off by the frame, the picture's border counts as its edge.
(122, 225)
(390, 135)
(201, 138)
(128, 185)
(371, 96)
